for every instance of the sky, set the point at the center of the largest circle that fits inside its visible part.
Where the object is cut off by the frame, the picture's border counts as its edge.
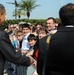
(47, 8)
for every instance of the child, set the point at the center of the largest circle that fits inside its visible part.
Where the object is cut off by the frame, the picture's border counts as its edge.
(17, 43)
(19, 36)
(42, 33)
(33, 42)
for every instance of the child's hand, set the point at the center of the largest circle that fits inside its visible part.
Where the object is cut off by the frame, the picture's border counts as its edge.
(35, 64)
(30, 53)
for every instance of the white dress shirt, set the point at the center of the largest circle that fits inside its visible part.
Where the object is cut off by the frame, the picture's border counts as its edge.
(25, 44)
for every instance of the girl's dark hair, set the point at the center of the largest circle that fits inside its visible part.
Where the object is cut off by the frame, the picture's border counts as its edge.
(32, 37)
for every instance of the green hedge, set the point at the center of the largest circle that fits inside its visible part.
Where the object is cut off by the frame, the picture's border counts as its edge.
(32, 21)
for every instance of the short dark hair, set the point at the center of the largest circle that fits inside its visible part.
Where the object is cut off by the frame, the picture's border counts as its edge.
(25, 26)
(52, 19)
(32, 37)
(66, 14)
(2, 9)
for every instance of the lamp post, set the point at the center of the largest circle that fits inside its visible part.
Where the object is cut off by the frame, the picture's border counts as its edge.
(16, 5)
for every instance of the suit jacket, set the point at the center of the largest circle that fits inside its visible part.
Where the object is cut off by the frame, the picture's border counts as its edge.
(41, 54)
(42, 51)
(7, 52)
(60, 56)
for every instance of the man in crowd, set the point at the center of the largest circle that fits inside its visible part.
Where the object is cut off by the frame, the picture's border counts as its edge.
(60, 56)
(7, 51)
(51, 28)
(51, 25)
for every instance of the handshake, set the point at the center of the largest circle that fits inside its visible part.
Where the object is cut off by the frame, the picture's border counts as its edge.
(28, 54)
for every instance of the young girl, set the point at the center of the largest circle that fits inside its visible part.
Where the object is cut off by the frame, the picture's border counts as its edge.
(42, 33)
(33, 42)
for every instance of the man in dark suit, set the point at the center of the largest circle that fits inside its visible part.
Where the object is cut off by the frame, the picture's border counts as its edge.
(51, 28)
(7, 51)
(60, 56)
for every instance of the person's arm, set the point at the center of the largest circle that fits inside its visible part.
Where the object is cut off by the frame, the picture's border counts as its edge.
(24, 51)
(30, 53)
(9, 53)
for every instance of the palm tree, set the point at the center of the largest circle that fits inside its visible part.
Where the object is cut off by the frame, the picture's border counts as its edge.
(28, 6)
(19, 13)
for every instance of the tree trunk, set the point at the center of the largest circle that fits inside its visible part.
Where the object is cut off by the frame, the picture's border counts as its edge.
(28, 14)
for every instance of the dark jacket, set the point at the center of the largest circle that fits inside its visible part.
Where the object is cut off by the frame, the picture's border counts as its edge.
(7, 52)
(60, 56)
(41, 54)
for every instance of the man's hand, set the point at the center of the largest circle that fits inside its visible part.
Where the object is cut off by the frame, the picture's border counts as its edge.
(24, 51)
(31, 59)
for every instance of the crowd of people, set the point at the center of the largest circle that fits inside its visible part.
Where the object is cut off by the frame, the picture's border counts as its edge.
(25, 38)
(25, 44)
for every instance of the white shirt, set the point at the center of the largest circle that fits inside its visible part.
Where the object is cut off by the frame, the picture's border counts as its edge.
(25, 44)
